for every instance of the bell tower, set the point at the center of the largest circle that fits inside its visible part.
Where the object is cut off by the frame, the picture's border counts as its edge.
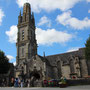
(26, 38)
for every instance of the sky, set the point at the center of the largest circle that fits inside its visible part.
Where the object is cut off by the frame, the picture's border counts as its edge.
(61, 25)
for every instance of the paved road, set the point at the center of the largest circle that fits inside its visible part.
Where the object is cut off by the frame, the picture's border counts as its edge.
(85, 87)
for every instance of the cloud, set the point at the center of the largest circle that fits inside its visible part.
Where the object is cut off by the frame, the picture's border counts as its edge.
(73, 49)
(44, 37)
(50, 36)
(44, 21)
(1, 15)
(67, 20)
(14, 63)
(10, 57)
(12, 34)
(88, 0)
(49, 5)
(88, 11)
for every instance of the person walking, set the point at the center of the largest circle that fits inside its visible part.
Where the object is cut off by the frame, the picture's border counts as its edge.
(12, 82)
(16, 82)
(21, 83)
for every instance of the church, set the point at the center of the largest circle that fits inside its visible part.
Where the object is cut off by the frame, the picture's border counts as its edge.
(30, 65)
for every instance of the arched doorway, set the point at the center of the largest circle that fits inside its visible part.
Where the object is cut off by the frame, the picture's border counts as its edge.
(35, 78)
(36, 75)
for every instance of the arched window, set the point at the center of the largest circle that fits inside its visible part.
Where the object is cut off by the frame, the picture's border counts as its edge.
(22, 34)
(22, 52)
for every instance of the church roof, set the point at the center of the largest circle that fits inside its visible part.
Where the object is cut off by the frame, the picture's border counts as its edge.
(64, 57)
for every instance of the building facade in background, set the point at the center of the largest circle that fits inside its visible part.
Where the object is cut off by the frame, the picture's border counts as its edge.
(31, 66)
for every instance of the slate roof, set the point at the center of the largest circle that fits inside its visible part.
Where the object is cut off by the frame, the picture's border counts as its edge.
(64, 56)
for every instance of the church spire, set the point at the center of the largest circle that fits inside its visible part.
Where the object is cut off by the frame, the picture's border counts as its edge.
(19, 18)
(33, 20)
(26, 8)
(20, 13)
(26, 12)
(32, 14)
(44, 54)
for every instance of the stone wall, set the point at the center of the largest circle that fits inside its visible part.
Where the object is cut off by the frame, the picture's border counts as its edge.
(64, 58)
(83, 66)
(49, 72)
(66, 71)
(78, 82)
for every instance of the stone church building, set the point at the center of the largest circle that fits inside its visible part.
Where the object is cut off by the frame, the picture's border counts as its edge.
(30, 65)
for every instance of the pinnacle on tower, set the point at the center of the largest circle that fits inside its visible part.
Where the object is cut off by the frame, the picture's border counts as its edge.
(27, 8)
(32, 17)
(20, 18)
(26, 12)
(44, 54)
(20, 12)
(32, 14)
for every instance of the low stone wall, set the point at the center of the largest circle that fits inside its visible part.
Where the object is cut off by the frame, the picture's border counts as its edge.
(79, 82)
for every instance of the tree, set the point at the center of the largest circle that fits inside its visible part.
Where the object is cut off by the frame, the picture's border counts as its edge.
(87, 54)
(87, 49)
(4, 63)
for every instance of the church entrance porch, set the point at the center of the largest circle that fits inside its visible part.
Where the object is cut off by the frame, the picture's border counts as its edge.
(35, 79)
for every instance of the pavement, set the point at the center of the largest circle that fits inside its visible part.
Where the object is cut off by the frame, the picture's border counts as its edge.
(84, 87)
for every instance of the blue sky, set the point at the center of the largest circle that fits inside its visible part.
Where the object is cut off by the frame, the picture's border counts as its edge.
(61, 25)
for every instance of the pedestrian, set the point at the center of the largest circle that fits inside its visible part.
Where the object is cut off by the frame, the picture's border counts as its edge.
(12, 82)
(16, 82)
(45, 83)
(21, 83)
(27, 83)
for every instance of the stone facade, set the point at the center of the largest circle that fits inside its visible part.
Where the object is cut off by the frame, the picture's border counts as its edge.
(36, 68)
(26, 41)
(71, 63)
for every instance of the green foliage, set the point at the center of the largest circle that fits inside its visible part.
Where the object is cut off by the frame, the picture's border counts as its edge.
(87, 49)
(4, 63)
